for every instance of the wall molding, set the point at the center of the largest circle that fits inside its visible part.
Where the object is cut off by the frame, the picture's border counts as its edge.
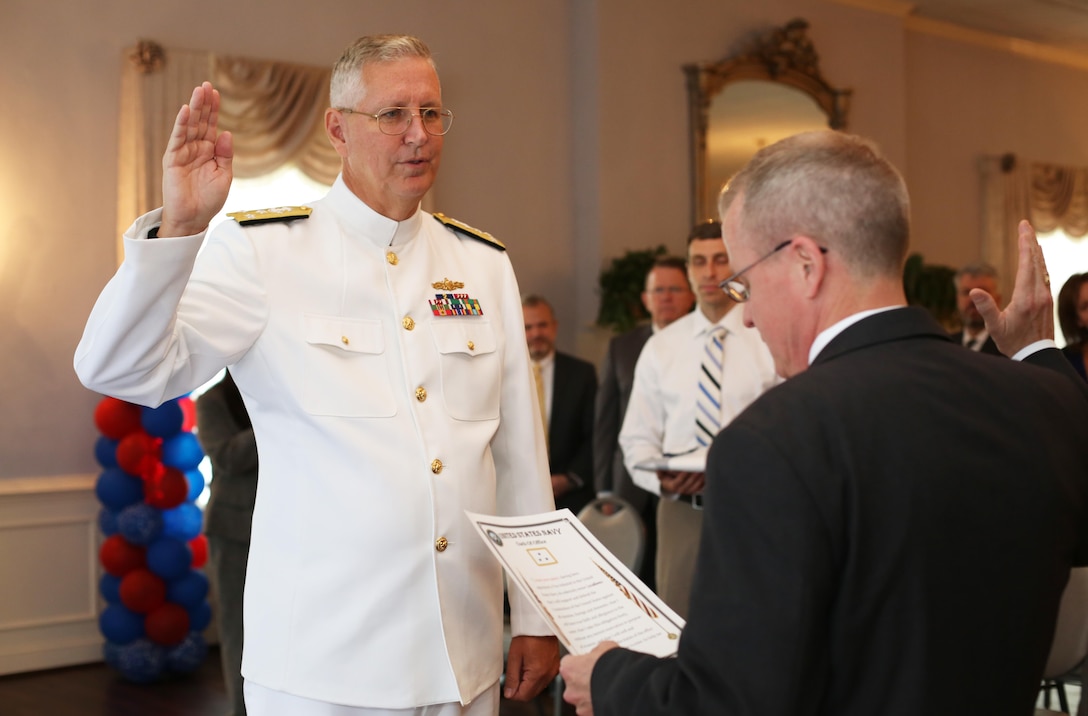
(49, 601)
(958, 33)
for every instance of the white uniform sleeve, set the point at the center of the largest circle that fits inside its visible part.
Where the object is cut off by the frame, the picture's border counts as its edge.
(167, 321)
(518, 448)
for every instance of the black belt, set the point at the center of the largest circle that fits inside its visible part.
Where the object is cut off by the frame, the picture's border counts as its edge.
(696, 500)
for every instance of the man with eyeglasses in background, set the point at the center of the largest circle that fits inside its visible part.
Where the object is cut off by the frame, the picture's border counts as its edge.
(667, 297)
(692, 377)
(378, 350)
(891, 529)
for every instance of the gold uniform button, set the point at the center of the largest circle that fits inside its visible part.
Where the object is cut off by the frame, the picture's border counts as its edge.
(471, 346)
(391, 258)
(344, 340)
(408, 323)
(441, 544)
(421, 393)
(436, 466)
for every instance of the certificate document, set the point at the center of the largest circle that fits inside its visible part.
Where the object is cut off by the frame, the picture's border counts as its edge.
(578, 586)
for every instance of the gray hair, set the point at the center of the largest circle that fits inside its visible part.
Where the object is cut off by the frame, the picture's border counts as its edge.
(979, 268)
(834, 187)
(346, 87)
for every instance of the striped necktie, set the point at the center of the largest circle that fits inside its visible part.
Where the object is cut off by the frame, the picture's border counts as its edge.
(708, 403)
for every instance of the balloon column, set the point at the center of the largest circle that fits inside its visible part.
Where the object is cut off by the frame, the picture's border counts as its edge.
(156, 600)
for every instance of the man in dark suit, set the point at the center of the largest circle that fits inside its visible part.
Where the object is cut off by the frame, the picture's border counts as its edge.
(567, 387)
(973, 333)
(668, 296)
(890, 530)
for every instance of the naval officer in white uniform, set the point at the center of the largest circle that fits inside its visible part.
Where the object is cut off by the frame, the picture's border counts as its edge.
(379, 351)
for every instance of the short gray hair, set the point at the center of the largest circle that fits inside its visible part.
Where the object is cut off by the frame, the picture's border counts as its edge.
(979, 268)
(834, 187)
(346, 87)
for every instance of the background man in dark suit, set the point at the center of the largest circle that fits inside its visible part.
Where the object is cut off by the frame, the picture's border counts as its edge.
(973, 334)
(668, 296)
(569, 387)
(226, 434)
(890, 530)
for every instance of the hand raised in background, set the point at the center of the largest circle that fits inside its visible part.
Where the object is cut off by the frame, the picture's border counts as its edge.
(197, 166)
(1029, 317)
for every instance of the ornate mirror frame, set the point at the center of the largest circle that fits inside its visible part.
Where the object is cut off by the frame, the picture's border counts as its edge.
(784, 55)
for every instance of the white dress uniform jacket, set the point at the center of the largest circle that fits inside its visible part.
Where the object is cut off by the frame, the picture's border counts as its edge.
(378, 423)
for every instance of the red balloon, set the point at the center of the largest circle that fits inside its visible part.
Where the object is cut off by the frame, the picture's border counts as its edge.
(118, 557)
(188, 412)
(138, 454)
(199, 547)
(167, 625)
(115, 418)
(166, 489)
(142, 591)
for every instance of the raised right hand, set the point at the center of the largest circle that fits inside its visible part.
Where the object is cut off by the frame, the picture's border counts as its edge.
(196, 168)
(1029, 317)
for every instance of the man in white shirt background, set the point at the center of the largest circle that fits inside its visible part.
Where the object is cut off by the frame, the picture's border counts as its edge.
(692, 377)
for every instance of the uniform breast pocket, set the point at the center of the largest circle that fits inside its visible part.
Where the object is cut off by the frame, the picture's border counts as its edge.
(346, 368)
(471, 368)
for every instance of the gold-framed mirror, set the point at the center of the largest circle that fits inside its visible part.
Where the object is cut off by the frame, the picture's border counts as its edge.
(754, 98)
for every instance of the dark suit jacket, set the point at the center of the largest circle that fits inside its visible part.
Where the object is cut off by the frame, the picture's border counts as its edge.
(570, 429)
(989, 347)
(617, 379)
(226, 434)
(888, 532)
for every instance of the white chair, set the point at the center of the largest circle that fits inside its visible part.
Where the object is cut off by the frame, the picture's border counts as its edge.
(619, 528)
(1070, 644)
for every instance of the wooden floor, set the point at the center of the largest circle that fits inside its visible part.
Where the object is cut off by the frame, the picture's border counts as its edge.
(98, 690)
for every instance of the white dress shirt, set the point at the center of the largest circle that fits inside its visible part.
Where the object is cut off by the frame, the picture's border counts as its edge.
(660, 418)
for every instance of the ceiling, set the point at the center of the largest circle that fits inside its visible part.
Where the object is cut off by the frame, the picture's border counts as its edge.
(1057, 23)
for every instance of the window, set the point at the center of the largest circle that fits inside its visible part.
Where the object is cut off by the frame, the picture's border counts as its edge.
(1064, 257)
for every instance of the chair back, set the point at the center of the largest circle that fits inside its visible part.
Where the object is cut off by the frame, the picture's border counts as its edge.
(619, 528)
(1071, 632)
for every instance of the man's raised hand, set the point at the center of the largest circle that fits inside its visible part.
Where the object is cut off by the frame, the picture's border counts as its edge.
(196, 168)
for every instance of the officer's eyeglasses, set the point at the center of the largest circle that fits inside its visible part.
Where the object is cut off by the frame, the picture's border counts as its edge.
(396, 120)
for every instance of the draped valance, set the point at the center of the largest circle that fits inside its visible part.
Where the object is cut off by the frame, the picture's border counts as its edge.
(1051, 196)
(275, 111)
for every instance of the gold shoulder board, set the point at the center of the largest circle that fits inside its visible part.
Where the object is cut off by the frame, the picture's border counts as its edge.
(276, 213)
(469, 231)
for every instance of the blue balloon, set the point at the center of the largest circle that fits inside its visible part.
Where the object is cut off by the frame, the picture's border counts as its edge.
(182, 451)
(120, 625)
(163, 421)
(196, 484)
(117, 489)
(107, 522)
(142, 661)
(140, 523)
(105, 451)
(109, 587)
(188, 590)
(200, 616)
(182, 522)
(188, 655)
(168, 557)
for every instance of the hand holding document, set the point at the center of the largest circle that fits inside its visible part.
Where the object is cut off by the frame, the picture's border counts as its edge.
(577, 585)
(691, 461)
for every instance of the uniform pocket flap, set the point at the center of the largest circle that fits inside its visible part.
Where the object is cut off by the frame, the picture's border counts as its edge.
(355, 335)
(470, 337)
